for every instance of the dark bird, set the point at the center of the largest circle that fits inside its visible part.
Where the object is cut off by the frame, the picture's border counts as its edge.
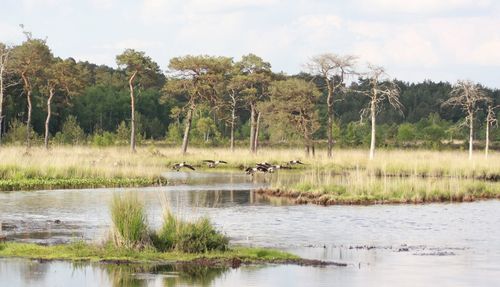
(213, 163)
(178, 166)
(251, 170)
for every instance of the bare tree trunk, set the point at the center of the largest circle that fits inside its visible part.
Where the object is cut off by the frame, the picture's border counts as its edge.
(185, 140)
(373, 112)
(132, 111)
(233, 119)
(27, 88)
(330, 123)
(487, 146)
(47, 120)
(252, 128)
(2, 70)
(256, 136)
(471, 134)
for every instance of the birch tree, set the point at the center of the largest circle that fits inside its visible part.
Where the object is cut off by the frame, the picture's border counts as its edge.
(381, 90)
(491, 121)
(195, 79)
(139, 68)
(467, 95)
(28, 61)
(333, 69)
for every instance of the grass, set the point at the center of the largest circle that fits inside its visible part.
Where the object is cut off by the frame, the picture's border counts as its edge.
(81, 251)
(148, 162)
(321, 187)
(192, 237)
(130, 228)
(66, 183)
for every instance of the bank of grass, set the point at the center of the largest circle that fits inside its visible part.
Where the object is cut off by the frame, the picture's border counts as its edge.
(81, 251)
(72, 183)
(321, 187)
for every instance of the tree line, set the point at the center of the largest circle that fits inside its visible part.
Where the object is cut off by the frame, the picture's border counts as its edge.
(215, 100)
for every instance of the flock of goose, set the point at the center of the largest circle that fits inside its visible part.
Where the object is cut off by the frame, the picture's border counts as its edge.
(263, 167)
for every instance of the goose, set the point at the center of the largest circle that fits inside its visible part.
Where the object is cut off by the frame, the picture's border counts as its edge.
(178, 166)
(251, 170)
(292, 162)
(213, 163)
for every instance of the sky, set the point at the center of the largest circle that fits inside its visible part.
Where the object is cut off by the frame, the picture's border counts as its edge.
(439, 40)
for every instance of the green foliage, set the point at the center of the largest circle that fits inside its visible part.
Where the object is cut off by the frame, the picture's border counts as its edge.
(71, 133)
(191, 237)
(130, 228)
(17, 133)
(104, 139)
(174, 134)
(123, 132)
(200, 236)
(406, 132)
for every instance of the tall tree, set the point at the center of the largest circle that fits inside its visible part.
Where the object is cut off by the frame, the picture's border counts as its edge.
(4, 60)
(333, 69)
(254, 78)
(381, 89)
(234, 88)
(195, 79)
(139, 69)
(62, 76)
(491, 120)
(467, 95)
(28, 61)
(294, 101)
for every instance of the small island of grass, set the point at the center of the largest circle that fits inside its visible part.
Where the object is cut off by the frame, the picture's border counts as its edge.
(177, 241)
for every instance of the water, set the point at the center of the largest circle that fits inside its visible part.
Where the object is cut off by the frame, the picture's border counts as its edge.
(406, 245)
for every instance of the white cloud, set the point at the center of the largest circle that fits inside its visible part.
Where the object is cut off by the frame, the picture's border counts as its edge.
(422, 6)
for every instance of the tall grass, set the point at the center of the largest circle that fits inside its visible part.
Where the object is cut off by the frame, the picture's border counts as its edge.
(130, 228)
(191, 237)
(356, 187)
(112, 162)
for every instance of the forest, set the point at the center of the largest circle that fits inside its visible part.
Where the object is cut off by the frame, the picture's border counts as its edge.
(220, 101)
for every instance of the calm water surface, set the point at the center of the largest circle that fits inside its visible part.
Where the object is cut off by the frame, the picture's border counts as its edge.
(398, 245)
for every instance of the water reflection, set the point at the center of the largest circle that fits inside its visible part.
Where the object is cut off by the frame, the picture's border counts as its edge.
(456, 244)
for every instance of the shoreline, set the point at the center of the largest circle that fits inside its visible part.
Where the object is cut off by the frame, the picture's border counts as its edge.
(85, 252)
(311, 197)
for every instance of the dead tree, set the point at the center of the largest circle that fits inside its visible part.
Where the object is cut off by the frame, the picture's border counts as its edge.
(491, 120)
(333, 69)
(381, 89)
(466, 95)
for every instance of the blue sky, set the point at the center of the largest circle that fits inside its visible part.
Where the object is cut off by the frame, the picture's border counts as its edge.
(415, 40)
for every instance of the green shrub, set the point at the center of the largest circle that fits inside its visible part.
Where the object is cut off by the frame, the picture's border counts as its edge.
(130, 228)
(196, 237)
(104, 139)
(71, 132)
(200, 236)
(17, 133)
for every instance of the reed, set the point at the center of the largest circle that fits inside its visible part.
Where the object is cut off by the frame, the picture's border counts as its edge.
(322, 187)
(130, 228)
(150, 162)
